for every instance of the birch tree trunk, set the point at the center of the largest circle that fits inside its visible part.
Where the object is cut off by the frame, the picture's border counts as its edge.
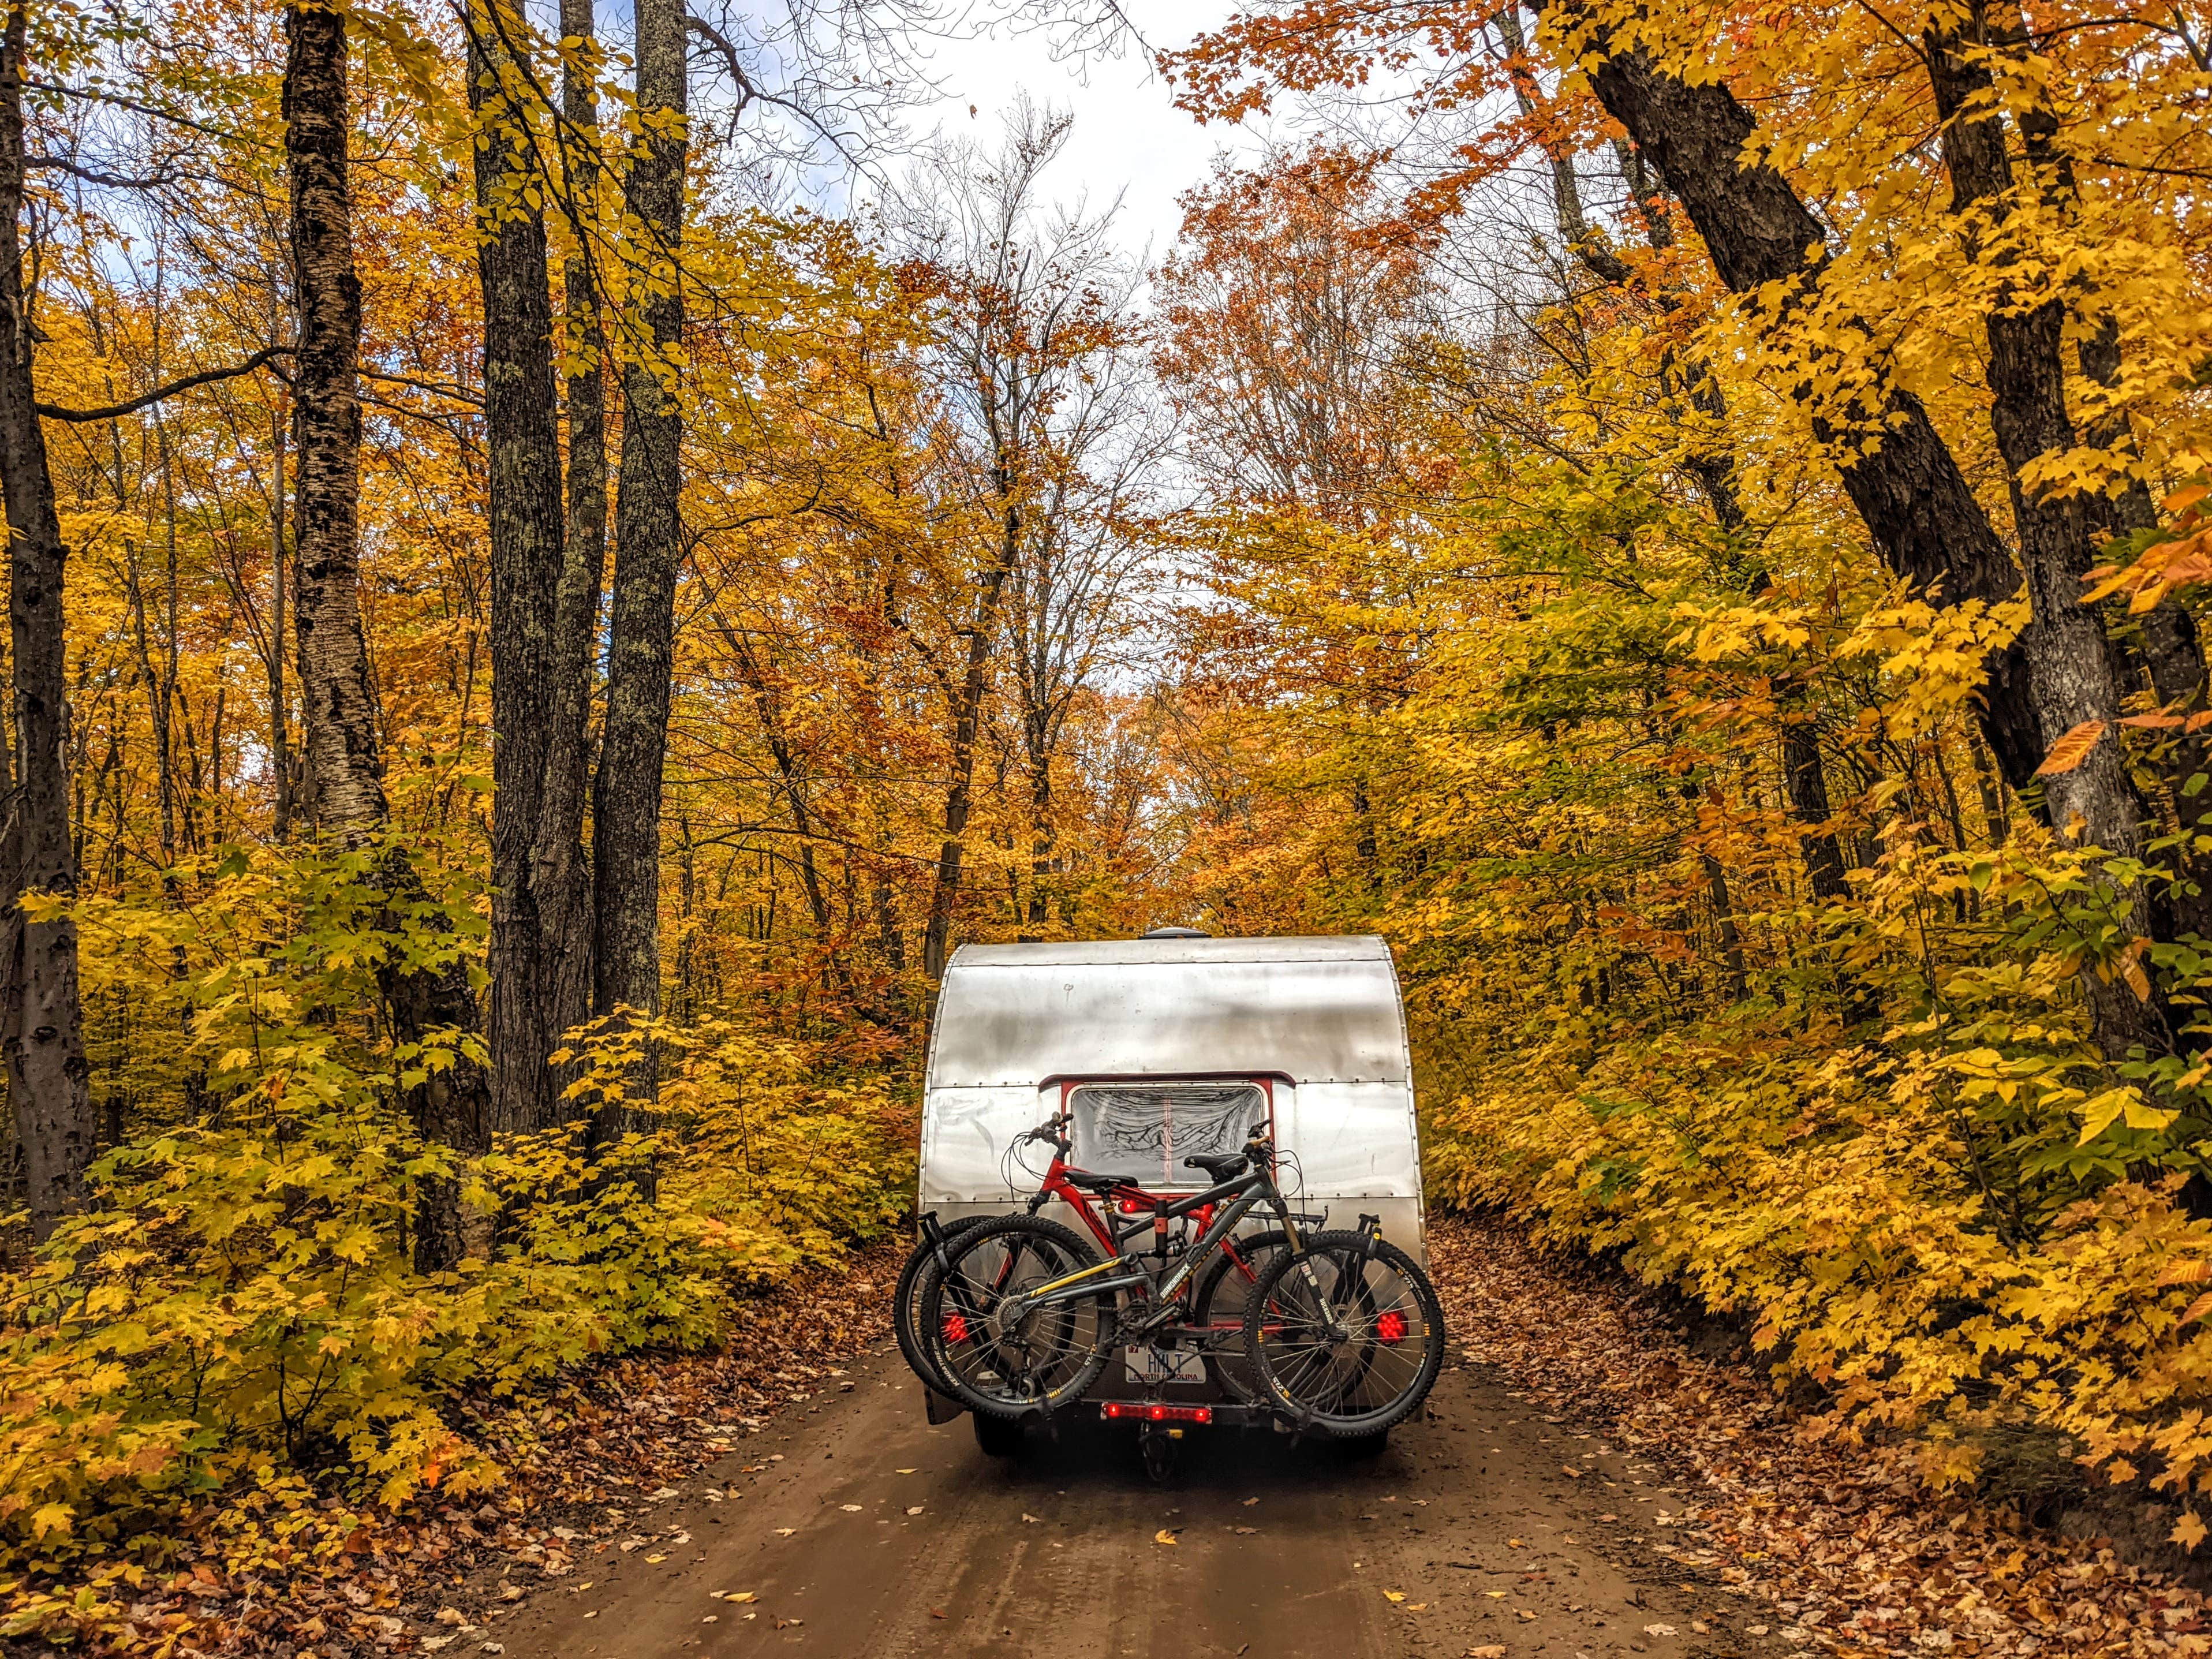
(342, 764)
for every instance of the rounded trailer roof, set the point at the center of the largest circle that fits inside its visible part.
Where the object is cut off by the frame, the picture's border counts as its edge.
(1314, 1010)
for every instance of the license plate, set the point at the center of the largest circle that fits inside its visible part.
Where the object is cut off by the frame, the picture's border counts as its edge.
(1166, 1365)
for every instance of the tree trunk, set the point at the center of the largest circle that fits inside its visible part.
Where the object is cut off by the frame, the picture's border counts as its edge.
(2094, 803)
(1916, 503)
(648, 553)
(1804, 774)
(522, 444)
(967, 709)
(791, 783)
(562, 869)
(1043, 832)
(342, 759)
(1724, 923)
(42, 1025)
(1808, 782)
(344, 774)
(280, 721)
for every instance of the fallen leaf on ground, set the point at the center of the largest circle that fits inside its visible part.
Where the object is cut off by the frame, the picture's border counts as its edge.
(1249, 1502)
(740, 1596)
(1164, 1535)
(1570, 1472)
(1658, 1630)
(939, 1613)
(1513, 1544)
(655, 1559)
(785, 1532)
(902, 1471)
(1394, 1595)
(916, 1510)
(850, 1508)
(1493, 1650)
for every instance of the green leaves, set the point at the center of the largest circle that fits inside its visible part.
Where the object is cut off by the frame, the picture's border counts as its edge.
(242, 1298)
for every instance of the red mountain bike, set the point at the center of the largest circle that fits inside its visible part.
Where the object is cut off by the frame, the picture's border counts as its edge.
(1115, 1210)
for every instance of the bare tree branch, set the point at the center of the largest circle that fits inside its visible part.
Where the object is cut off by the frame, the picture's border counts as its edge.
(56, 412)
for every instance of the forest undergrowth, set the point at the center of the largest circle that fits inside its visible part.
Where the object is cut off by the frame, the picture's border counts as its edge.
(1835, 1547)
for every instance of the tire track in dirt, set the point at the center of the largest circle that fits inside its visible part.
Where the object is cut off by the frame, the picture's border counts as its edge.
(1467, 1533)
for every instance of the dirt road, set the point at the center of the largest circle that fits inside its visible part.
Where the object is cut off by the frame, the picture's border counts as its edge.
(858, 1530)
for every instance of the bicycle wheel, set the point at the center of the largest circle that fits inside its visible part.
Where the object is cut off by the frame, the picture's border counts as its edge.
(1003, 1356)
(907, 1300)
(1351, 1338)
(1218, 1310)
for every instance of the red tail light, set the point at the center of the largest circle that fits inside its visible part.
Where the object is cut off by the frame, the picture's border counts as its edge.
(1130, 1207)
(955, 1327)
(1138, 1411)
(1390, 1328)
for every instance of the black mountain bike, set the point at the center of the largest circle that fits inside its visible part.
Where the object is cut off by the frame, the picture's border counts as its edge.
(1342, 1333)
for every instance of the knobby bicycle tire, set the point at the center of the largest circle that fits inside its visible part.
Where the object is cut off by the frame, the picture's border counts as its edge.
(1333, 1381)
(1048, 1359)
(906, 1302)
(1229, 1360)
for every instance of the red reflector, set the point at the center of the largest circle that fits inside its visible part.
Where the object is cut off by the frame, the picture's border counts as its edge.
(1137, 1409)
(1390, 1329)
(955, 1327)
(1130, 1207)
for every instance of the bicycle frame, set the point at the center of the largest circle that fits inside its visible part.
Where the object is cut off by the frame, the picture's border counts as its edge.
(1155, 1213)
(1237, 1196)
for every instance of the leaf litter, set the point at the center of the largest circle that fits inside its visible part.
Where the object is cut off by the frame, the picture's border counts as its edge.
(1846, 1543)
(618, 1438)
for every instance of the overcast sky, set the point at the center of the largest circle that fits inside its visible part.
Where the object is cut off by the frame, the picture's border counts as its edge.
(1129, 138)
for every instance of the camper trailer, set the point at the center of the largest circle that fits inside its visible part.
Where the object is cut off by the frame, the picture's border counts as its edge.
(1162, 1048)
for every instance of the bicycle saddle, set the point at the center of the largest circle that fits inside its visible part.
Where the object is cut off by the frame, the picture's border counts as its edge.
(1097, 1183)
(1222, 1166)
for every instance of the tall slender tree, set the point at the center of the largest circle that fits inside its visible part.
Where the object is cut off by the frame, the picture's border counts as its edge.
(649, 545)
(344, 770)
(42, 1023)
(533, 926)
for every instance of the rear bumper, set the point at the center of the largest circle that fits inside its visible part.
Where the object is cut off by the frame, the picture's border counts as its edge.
(1219, 1413)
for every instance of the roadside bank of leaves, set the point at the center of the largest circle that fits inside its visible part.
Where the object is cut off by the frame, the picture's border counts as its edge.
(1846, 1544)
(443, 1576)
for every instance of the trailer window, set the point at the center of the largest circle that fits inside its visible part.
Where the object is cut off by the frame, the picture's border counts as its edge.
(1143, 1131)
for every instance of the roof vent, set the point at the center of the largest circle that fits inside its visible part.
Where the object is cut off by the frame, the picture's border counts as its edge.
(1178, 932)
